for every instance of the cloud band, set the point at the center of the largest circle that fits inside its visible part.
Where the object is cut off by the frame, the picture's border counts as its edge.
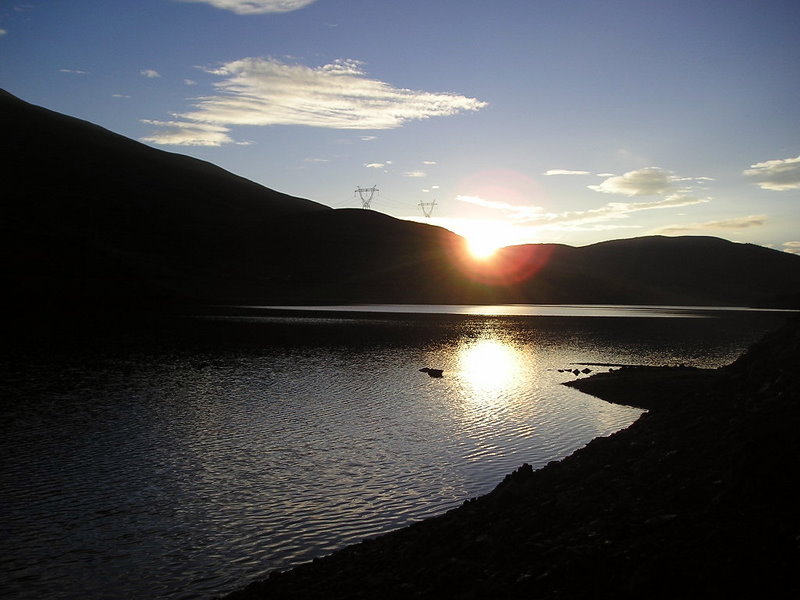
(777, 175)
(265, 91)
(256, 7)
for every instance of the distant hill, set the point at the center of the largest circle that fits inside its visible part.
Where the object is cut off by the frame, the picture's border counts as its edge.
(689, 270)
(91, 217)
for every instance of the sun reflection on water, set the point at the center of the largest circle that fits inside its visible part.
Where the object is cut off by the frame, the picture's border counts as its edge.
(491, 373)
(490, 367)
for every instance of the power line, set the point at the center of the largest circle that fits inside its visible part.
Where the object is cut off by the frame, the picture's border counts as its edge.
(427, 208)
(366, 195)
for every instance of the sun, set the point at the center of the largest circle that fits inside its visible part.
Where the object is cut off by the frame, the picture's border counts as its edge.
(486, 238)
(497, 253)
(481, 247)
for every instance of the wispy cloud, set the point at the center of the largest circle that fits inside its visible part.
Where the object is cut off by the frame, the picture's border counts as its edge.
(3, 32)
(368, 138)
(265, 91)
(670, 192)
(428, 162)
(188, 134)
(415, 174)
(256, 7)
(602, 218)
(565, 172)
(650, 181)
(694, 179)
(73, 71)
(150, 73)
(792, 247)
(615, 211)
(674, 191)
(725, 224)
(778, 175)
(120, 96)
(189, 82)
(513, 211)
(376, 165)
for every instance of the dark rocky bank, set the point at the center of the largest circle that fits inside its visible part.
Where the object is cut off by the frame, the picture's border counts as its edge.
(698, 499)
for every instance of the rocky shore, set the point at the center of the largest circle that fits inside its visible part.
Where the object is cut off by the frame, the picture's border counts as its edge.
(698, 499)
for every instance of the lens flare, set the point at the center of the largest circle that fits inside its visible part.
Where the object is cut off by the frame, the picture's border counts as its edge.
(483, 247)
(506, 266)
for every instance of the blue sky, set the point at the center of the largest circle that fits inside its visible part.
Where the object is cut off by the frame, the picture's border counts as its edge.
(571, 121)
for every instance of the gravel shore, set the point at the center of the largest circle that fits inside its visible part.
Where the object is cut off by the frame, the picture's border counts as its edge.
(697, 499)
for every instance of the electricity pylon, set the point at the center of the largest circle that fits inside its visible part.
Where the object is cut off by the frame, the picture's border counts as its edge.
(427, 208)
(366, 195)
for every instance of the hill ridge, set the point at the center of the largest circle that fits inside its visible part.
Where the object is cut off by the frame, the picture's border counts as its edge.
(98, 218)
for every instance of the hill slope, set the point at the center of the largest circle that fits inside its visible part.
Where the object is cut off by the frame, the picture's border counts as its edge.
(97, 218)
(691, 270)
(95, 213)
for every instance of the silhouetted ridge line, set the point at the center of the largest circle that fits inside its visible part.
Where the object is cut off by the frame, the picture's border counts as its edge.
(97, 218)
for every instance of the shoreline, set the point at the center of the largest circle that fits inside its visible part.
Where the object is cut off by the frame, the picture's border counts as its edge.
(697, 498)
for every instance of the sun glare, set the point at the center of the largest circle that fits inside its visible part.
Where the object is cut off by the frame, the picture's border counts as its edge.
(497, 253)
(485, 239)
(489, 365)
(482, 248)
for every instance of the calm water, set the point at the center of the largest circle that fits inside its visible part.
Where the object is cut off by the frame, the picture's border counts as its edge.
(184, 460)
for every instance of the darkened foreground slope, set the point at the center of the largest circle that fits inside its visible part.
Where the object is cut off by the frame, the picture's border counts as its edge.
(92, 218)
(88, 213)
(96, 217)
(697, 499)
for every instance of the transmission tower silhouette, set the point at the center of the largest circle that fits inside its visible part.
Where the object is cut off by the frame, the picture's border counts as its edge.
(427, 208)
(366, 195)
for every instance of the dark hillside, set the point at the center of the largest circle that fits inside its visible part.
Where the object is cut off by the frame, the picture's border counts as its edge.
(355, 255)
(95, 219)
(67, 165)
(712, 268)
(93, 213)
(703, 271)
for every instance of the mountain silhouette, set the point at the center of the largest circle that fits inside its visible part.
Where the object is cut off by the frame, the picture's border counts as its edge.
(688, 270)
(93, 218)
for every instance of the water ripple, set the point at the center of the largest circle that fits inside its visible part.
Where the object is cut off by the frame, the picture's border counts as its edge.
(186, 471)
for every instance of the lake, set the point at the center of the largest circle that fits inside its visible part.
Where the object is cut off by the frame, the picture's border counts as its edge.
(183, 458)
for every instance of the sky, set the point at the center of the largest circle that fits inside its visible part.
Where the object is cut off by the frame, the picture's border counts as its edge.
(508, 121)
